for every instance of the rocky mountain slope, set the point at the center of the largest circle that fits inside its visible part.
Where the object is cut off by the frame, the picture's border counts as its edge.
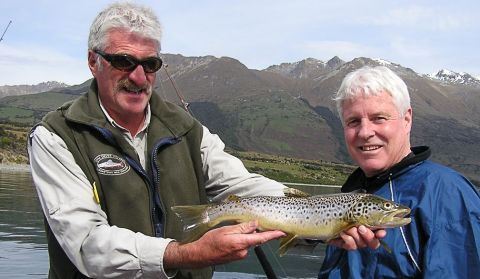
(287, 109)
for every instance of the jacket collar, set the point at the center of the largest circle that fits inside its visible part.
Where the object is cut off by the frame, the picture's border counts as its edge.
(357, 181)
(86, 110)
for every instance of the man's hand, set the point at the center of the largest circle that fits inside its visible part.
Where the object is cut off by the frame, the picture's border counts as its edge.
(358, 237)
(221, 245)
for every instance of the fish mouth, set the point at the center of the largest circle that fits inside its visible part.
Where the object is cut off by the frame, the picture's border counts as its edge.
(396, 218)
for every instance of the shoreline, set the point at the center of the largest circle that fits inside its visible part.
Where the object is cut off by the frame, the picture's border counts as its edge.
(14, 167)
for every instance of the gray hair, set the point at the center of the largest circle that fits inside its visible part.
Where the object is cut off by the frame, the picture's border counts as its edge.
(124, 15)
(372, 81)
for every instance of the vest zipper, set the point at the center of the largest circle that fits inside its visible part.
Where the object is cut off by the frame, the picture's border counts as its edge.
(163, 142)
(139, 169)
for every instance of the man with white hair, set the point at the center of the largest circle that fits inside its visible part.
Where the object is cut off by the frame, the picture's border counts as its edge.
(443, 239)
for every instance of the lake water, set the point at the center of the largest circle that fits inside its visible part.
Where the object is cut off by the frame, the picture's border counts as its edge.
(24, 250)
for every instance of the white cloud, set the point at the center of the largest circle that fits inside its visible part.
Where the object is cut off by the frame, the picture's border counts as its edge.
(431, 18)
(34, 64)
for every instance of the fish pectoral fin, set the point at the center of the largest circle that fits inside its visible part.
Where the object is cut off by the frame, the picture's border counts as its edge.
(295, 193)
(286, 243)
(337, 232)
(385, 246)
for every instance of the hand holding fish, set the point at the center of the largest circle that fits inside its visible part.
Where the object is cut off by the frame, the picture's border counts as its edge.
(359, 237)
(217, 246)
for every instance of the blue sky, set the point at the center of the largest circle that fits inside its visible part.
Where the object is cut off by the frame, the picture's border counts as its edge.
(47, 39)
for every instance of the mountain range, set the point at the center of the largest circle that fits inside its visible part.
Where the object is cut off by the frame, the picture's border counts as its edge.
(287, 109)
(13, 90)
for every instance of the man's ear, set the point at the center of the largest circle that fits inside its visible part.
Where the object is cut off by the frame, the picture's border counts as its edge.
(92, 62)
(408, 118)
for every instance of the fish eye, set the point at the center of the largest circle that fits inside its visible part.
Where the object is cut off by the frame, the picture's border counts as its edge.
(388, 205)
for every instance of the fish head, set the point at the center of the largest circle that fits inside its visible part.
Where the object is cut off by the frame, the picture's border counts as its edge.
(376, 212)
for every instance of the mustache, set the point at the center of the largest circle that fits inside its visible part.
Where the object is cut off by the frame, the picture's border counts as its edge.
(130, 86)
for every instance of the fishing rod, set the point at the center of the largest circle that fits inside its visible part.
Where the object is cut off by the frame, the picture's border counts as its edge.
(5, 31)
(185, 104)
(267, 267)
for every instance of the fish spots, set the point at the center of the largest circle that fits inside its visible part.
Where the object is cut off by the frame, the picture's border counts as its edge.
(312, 216)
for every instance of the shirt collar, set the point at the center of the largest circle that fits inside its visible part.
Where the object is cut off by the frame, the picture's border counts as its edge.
(115, 124)
(357, 180)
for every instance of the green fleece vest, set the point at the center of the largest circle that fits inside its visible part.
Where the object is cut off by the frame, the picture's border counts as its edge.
(127, 192)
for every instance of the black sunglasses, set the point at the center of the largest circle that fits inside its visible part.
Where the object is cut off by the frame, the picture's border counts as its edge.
(128, 63)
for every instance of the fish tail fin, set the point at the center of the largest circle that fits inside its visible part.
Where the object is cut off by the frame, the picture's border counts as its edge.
(195, 221)
(286, 243)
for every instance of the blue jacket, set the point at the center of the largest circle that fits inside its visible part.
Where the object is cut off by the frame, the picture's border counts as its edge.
(443, 237)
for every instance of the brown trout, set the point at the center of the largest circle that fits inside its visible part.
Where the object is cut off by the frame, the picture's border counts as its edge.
(320, 217)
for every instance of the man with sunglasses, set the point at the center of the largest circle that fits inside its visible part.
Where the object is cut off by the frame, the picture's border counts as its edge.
(109, 165)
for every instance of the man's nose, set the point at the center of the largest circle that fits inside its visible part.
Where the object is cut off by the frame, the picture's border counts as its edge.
(138, 76)
(366, 129)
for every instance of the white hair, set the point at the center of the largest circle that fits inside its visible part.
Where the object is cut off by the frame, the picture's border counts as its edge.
(124, 15)
(372, 81)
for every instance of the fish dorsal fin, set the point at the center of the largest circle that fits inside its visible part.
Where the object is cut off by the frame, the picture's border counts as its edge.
(295, 193)
(286, 243)
(233, 198)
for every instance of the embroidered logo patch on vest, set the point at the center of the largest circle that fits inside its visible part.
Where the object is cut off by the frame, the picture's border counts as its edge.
(110, 164)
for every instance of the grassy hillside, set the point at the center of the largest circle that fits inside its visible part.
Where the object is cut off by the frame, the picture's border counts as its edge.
(292, 170)
(269, 122)
(16, 115)
(29, 109)
(13, 144)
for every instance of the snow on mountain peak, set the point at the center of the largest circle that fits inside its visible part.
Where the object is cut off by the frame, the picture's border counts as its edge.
(454, 77)
(382, 61)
